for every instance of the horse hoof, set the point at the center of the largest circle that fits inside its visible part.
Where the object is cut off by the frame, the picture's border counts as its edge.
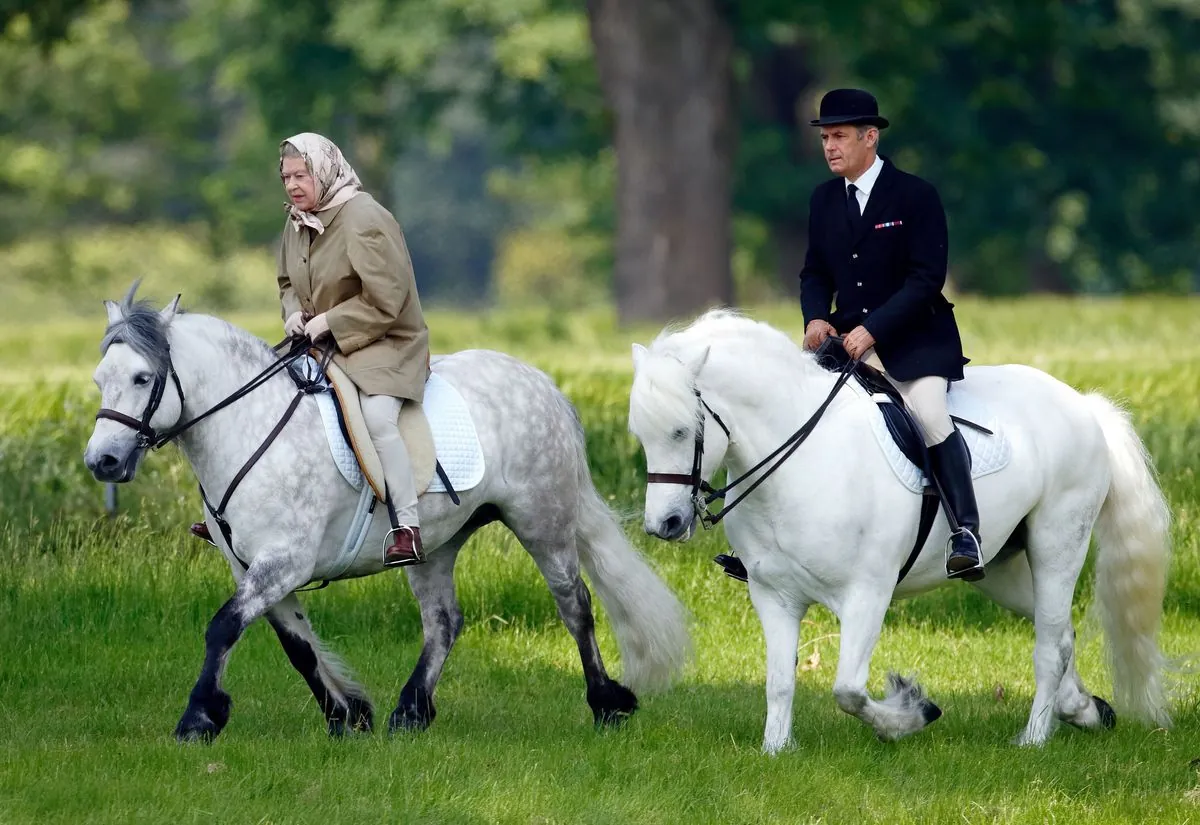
(930, 712)
(196, 727)
(1108, 717)
(408, 720)
(414, 714)
(360, 714)
(612, 704)
(203, 721)
(356, 716)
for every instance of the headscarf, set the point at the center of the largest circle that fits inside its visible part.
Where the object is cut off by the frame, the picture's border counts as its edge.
(335, 177)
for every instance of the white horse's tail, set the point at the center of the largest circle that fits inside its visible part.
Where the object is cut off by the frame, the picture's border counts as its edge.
(649, 622)
(1131, 569)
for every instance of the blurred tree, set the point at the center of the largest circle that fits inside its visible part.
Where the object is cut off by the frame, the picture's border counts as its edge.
(1063, 137)
(1049, 129)
(480, 87)
(667, 76)
(86, 125)
(47, 20)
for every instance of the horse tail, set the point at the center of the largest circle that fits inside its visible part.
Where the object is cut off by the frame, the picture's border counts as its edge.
(649, 622)
(1132, 533)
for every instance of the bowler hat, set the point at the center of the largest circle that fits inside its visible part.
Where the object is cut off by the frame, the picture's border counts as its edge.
(850, 106)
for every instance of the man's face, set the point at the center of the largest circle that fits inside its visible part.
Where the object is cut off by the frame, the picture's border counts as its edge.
(847, 153)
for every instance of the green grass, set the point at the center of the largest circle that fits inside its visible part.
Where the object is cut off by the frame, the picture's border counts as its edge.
(103, 633)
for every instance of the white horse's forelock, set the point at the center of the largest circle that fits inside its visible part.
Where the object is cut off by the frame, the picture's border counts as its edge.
(662, 397)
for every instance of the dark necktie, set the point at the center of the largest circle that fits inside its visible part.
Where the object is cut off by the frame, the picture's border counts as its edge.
(852, 210)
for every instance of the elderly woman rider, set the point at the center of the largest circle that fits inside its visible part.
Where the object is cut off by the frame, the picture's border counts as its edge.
(345, 272)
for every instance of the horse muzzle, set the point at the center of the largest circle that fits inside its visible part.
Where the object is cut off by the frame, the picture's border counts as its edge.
(110, 468)
(677, 526)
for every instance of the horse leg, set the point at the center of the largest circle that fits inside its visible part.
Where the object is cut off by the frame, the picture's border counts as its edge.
(432, 584)
(269, 579)
(557, 559)
(344, 702)
(1058, 544)
(780, 618)
(1010, 585)
(905, 710)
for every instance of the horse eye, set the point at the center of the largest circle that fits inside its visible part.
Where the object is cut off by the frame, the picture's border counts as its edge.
(141, 379)
(680, 434)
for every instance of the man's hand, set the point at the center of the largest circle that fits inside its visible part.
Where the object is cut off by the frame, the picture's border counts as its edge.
(317, 327)
(294, 325)
(858, 342)
(816, 333)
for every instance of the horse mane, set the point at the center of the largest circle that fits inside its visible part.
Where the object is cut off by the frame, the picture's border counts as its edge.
(142, 329)
(664, 393)
(723, 327)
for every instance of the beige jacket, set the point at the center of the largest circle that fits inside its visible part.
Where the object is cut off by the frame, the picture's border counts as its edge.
(359, 274)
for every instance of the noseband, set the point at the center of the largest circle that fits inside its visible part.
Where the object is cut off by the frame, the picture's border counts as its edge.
(693, 479)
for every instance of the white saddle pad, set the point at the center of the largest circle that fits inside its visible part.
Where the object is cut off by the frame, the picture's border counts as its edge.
(454, 437)
(989, 453)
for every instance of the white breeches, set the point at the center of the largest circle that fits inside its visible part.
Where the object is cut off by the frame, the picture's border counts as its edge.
(925, 398)
(382, 413)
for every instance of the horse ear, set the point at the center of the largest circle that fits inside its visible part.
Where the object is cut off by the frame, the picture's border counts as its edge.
(639, 353)
(696, 363)
(168, 312)
(114, 312)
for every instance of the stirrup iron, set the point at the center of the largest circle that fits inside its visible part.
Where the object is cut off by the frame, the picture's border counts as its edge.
(974, 573)
(418, 554)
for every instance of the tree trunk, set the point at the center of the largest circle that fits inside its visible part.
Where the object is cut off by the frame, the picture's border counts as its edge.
(665, 66)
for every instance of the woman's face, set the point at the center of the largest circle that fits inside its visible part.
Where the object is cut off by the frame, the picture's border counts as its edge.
(299, 184)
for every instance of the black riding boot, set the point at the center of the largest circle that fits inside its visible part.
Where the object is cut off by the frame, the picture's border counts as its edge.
(952, 466)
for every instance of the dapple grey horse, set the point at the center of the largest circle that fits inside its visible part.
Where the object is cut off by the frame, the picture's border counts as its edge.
(161, 370)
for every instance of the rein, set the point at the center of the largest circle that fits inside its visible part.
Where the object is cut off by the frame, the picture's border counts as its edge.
(783, 452)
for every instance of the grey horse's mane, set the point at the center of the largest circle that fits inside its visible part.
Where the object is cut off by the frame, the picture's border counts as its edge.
(141, 328)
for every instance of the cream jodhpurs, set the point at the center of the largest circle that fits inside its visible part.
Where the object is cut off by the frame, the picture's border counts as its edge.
(382, 413)
(925, 398)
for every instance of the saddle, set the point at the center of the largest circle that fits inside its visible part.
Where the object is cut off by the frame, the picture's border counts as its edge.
(910, 458)
(349, 440)
(414, 430)
(899, 420)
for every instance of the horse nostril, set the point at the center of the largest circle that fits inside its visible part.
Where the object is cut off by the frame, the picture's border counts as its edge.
(108, 463)
(672, 525)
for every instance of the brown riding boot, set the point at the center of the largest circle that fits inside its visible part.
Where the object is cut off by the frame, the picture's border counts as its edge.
(200, 530)
(405, 548)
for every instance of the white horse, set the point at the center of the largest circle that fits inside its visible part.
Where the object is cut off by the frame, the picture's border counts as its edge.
(833, 525)
(292, 511)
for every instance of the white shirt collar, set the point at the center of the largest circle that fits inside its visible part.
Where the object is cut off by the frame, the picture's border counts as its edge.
(866, 181)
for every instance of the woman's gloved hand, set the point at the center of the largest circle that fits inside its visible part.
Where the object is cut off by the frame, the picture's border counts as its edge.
(317, 327)
(294, 325)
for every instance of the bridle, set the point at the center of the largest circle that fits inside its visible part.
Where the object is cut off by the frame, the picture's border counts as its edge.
(703, 494)
(693, 479)
(150, 438)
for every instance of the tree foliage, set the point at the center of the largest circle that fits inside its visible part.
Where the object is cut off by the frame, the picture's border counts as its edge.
(1062, 136)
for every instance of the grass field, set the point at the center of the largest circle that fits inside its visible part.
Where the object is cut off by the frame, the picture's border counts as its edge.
(103, 624)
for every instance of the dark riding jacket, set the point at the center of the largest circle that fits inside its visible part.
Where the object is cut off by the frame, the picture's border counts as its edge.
(888, 274)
